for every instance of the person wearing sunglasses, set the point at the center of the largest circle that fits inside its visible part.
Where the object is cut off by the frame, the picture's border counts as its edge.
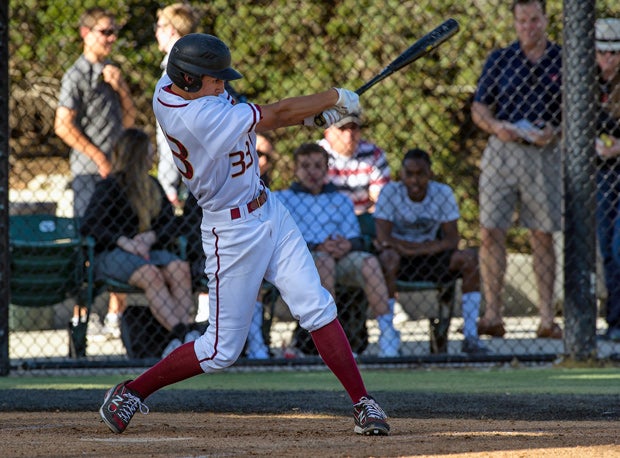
(94, 107)
(607, 34)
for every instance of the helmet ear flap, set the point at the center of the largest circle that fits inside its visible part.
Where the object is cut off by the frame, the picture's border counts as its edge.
(192, 83)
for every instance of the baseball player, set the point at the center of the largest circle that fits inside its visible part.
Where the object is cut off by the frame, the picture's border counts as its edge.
(247, 234)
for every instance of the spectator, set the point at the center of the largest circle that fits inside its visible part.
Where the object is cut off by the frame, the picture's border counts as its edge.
(518, 102)
(356, 167)
(608, 168)
(329, 225)
(266, 156)
(93, 108)
(129, 217)
(409, 216)
(173, 22)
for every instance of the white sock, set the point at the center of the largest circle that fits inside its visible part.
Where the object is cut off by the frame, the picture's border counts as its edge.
(112, 318)
(471, 309)
(391, 303)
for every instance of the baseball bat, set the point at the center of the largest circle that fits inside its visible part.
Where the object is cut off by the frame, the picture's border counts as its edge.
(419, 49)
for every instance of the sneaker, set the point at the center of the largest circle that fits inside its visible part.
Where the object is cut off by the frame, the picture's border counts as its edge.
(119, 406)
(552, 332)
(473, 345)
(172, 345)
(111, 326)
(486, 328)
(370, 418)
(94, 330)
(389, 343)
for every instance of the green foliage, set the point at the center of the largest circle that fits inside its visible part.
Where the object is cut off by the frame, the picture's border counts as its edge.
(291, 48)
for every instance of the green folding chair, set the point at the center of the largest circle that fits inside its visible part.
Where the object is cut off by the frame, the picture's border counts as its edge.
(49, 263)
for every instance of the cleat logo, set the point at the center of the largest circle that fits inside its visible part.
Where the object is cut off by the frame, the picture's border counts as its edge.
(115, 402)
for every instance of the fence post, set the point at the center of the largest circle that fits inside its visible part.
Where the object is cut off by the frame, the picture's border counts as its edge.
(580, 111)
(4, 188)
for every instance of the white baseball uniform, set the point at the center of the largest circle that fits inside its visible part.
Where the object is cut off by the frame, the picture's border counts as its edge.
(247, 235)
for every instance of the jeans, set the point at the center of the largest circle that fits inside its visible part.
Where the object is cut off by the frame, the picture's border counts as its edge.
(608, 232)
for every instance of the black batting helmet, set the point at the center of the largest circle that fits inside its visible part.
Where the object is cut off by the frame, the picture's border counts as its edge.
(198, 54)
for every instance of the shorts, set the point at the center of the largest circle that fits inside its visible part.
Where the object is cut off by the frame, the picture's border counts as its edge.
(527, 178)
(119, 264)
(349, 268)
(433, 267)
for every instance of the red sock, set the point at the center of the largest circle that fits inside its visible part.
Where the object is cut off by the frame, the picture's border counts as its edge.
(179, 365)
(334, 348)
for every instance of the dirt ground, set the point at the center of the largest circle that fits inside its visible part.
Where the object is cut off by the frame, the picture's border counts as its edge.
(186, 423)
(64, 434)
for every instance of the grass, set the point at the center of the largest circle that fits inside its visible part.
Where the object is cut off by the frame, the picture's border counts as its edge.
(579, 381)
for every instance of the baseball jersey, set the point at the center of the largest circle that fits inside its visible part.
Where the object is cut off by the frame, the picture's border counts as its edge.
(319, 216)
(355, 176)
(517, 88)
(99, 114)
(416, 221)
(217, 159)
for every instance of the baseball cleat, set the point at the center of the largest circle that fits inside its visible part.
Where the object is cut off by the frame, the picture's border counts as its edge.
(119, 406)
(370, 418)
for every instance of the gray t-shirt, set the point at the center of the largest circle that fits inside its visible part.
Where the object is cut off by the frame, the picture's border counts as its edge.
(99, 113)
(416, 221)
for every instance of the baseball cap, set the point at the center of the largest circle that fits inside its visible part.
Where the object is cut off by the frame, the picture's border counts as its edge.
(355, 118)
(607, 33)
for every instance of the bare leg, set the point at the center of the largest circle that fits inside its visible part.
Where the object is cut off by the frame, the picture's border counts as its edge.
(326, 265)
(390, 263)
(375, 287)
(493, 271)
(544, 271)
(117, 303)
(178, 278)
(150, 279)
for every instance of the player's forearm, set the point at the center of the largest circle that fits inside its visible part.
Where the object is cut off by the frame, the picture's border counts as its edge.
(294, 110)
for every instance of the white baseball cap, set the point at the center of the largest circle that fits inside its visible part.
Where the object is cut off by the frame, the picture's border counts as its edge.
(354, 118)
(607, 33)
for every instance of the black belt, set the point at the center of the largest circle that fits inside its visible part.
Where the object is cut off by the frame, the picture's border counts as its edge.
(235, 213)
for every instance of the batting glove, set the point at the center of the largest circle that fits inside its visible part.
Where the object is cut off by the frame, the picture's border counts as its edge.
(325, 119)
(348, 101)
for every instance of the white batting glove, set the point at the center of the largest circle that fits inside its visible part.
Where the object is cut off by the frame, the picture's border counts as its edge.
(348, 101)
(325, 119)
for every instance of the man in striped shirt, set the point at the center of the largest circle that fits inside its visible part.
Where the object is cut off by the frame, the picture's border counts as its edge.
(356, 167)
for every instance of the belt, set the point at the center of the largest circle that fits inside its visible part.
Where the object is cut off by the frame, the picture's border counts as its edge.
(235, 213)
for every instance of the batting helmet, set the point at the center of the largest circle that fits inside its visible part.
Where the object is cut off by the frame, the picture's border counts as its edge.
(198, 54)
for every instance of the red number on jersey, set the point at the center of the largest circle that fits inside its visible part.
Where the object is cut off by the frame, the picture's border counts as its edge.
(182, 155)
(240, 163)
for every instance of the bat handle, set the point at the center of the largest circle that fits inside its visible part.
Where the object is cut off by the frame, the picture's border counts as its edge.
(319, 120)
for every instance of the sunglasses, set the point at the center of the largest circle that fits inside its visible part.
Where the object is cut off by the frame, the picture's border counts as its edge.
(106, 32)
(608, 52)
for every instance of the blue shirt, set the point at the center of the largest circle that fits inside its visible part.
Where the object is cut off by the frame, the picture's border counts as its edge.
(516, 88)
(320, 216)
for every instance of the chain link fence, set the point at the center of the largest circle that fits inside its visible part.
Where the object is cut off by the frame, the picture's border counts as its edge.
(511, 141)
